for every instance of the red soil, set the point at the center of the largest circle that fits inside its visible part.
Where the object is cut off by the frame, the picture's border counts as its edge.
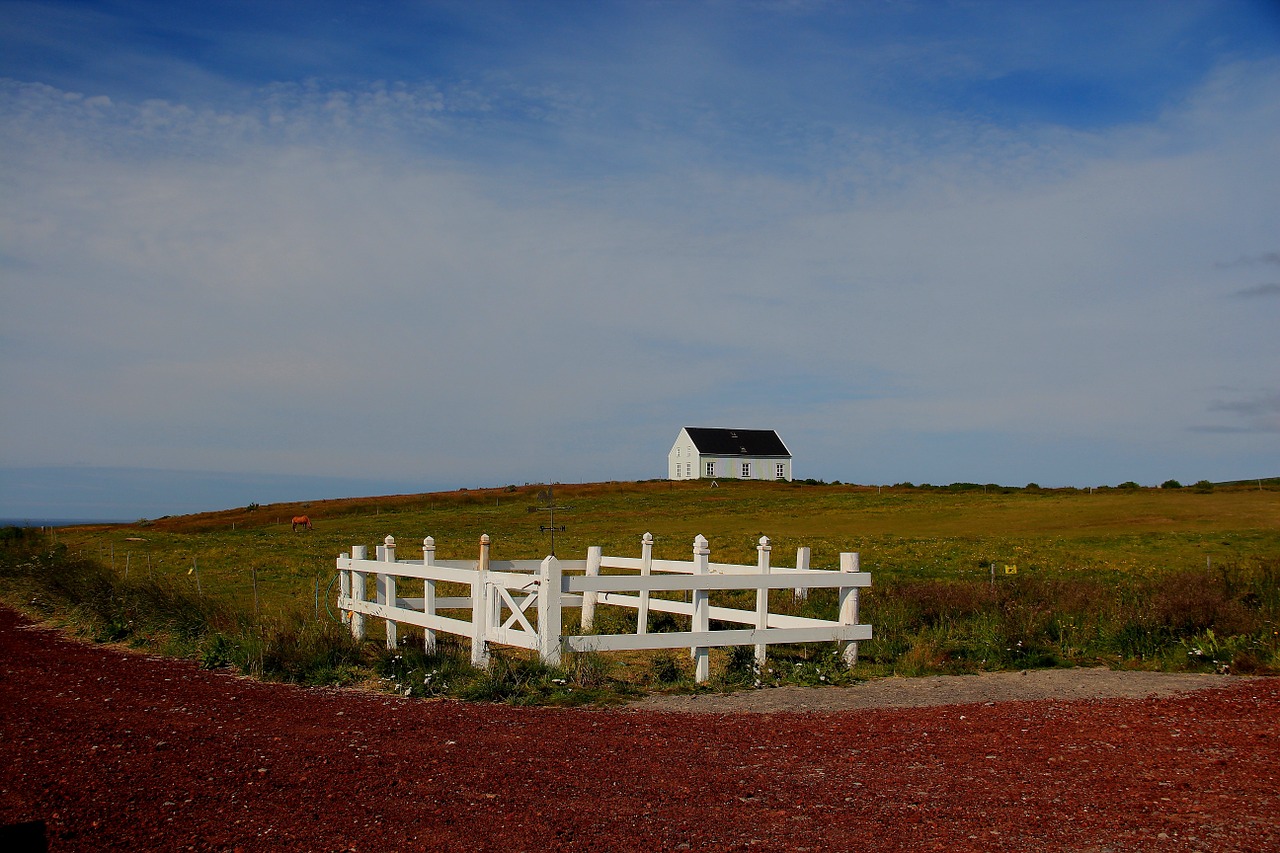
(118, 751)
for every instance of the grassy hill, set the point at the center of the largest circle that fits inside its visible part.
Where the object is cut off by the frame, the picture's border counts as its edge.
(1169, 578)
(900, 532)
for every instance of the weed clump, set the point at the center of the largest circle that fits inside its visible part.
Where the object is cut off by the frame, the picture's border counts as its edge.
(511, 678)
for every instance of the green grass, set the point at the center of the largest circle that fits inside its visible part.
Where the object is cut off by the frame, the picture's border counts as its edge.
(171, 616)
(1169, 578)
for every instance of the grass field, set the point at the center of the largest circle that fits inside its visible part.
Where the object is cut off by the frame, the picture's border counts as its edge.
(901, 533)
(1164, 578)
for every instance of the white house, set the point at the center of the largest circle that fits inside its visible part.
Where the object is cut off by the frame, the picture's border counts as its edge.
(741, 454)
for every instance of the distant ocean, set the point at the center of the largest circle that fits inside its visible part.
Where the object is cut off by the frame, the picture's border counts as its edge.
(57, 522)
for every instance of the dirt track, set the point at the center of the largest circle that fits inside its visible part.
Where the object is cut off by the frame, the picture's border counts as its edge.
(121, 752)
(1100, 683)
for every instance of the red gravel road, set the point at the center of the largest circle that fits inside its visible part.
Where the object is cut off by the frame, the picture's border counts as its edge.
(118, 751)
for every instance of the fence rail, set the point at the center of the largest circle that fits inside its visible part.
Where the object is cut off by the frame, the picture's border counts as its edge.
(502, 594)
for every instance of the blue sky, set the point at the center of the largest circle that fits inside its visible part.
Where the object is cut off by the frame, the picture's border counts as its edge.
(266, 251)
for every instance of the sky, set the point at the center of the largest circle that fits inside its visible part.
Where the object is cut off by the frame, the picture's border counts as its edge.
(263, 251)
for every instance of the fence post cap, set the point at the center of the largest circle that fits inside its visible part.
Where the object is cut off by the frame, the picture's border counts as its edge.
(647, 539)
(764, 542)
(390, 541)
(700, 542)
(484, 538)
(429, 542)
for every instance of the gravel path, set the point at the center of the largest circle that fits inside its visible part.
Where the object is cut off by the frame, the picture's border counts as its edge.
(117, 751)
(1030, 685)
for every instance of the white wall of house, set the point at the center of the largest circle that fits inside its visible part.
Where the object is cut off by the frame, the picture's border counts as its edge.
(682, 461)
(742, 468)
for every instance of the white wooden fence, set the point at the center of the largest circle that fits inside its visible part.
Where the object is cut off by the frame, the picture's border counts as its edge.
(502, 594)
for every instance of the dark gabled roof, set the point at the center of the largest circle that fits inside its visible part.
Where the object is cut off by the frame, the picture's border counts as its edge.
(737, 442)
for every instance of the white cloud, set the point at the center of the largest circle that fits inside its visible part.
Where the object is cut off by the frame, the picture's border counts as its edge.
(330, 280)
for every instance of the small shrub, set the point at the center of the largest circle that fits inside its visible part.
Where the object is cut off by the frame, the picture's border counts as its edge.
(662, 623)
(1248, 662)
(305, 652)
(1188, 603)
(614, 620)
(13, 536)
(216, 652)
(893, 623)
(740, 668)
(923, 657)
(512, 679)
(112, 630)
(588, 670)
(824, 668)
(939, 601)
(411, 671)
(664, 670)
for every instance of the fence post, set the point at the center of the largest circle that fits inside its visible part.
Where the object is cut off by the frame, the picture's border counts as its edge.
(589, 596)
(389, 592)
(802, 562)
(480, 608)
(701, 609)
(550, 611)
(849, 605)
(344, 585)
(380, 578)
(428, 594)
(646, 569)
(358, 552)
(762, 597)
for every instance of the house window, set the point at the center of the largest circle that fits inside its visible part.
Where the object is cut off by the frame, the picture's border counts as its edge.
(782, 471)
(746, 470)
(688, 469)
(711, 469)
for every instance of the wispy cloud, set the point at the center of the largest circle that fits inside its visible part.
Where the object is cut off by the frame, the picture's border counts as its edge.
(537, 253)
(1265, 258)
(1271, 289)
(1259, 413)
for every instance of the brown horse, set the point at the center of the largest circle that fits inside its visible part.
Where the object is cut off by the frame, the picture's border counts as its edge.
(303, 522)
